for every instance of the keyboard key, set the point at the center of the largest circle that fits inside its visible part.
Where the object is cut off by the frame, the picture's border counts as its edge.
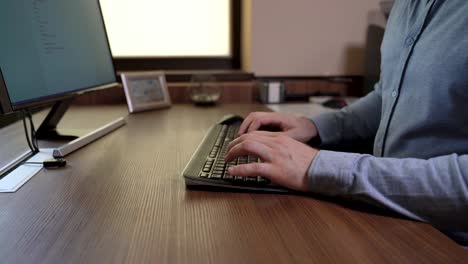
(228, 177)
(251, 179)
(252, 159)
(239, 178)
(242, 160)
(263, 180)
(208, 164)
(216, 175)
(220, 171)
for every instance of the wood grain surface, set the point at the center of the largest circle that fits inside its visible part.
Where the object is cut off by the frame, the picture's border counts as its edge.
(122, 200)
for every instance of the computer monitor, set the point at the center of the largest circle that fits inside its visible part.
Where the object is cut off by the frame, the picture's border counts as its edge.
(51, 51)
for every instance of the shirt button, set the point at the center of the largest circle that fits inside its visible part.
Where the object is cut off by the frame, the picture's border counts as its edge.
(409, 41)
(394, 93)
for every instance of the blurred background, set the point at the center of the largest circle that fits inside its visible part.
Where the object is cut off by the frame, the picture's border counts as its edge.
(312, 47)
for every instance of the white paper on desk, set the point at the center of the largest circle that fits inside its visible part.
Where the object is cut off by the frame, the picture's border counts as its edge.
(15, 179)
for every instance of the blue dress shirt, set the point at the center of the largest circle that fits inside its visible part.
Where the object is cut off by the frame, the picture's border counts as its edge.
(418, 114)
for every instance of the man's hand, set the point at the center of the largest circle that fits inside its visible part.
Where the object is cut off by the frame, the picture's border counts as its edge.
(299, 128)
(285, 161)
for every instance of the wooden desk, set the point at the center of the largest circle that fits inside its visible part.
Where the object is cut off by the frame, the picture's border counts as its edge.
(122, 200)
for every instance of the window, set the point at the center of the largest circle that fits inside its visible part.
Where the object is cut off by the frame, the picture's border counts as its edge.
(173, 34)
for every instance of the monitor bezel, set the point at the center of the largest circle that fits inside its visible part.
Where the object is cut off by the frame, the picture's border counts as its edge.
(6, 106)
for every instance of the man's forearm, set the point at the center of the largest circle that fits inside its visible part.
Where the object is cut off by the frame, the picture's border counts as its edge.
(355, 122)
(434, 190)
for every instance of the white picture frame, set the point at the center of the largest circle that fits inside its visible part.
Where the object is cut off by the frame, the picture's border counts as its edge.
(145, 90)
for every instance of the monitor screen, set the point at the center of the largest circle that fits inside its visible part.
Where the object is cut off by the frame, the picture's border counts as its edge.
(52, 48)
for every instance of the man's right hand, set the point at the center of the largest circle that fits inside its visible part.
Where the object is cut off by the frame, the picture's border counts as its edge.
(298, 128)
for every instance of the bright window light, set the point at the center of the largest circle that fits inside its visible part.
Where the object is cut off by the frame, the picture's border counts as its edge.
(168, 28)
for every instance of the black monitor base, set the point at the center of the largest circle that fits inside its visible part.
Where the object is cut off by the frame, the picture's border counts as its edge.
(55, 135)
(48, 129)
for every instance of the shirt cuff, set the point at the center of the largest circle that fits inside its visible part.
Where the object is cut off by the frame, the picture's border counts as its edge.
(327, 127)
(331, 173)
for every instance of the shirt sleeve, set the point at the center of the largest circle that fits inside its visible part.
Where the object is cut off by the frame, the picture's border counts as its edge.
(358, 121)
(433, 190)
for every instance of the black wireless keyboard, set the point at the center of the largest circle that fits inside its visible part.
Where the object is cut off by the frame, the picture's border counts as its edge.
(207, 166)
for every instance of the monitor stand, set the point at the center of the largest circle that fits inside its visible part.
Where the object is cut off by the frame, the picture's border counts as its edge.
(48, 131)
(48, 128)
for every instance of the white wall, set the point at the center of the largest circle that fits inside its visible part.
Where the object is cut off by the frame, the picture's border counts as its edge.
(307, 37)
